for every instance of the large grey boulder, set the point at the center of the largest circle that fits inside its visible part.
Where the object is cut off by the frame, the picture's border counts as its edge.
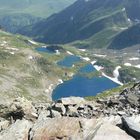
(55, 128)
(24, 106)
(131, 127)
(55, 114)
(71, 100)
(17, 109)
(59, 107)
(72, 111)
(109, 132)
(133, 99)
(17, 131)
(44, 114)
(4, 124)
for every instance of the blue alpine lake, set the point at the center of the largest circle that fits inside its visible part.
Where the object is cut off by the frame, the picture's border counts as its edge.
(68, 61)
(47, 49)
(82, 86)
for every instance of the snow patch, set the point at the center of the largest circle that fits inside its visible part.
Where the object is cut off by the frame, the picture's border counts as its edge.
(116, 72)
(129, 19)
(93, 62)
(123, 28)
(73, 65)
(112, 79)
(60, 81)
(98, 68)
(57, 52)
(123, 9)
(44, 46)
(30, 57)
(12, 49)
(33, 42)
(82, 50)
(70, 53)
(127, 64)
(100, 55)
(134, 58)
(86, 58)
(12, 53)
(138, 66)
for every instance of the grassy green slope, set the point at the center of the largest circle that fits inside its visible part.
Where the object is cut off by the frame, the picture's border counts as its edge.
(25, 72)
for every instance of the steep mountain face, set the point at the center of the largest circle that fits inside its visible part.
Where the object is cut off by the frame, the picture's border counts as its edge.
(27, 12)
(86, 21)
(14, 22)
(127, 38)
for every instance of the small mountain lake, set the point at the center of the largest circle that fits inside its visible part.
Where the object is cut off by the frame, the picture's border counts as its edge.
(47, 49)
(68, 61)
(82, 86)
(50, 49)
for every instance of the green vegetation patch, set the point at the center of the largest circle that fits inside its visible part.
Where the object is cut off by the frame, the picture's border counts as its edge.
(129, 74)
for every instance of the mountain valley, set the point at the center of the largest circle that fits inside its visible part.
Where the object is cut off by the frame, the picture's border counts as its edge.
(69, 69)
(28, 12)
(93, 25)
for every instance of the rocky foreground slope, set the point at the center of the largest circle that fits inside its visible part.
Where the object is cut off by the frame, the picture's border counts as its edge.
(116, 117)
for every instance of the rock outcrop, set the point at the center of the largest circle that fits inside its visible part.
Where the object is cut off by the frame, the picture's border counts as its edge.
(131, 127)
(17, 131)
(116, 117)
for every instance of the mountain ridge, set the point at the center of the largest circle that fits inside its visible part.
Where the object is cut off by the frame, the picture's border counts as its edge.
(15, 14)
(84, 19)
